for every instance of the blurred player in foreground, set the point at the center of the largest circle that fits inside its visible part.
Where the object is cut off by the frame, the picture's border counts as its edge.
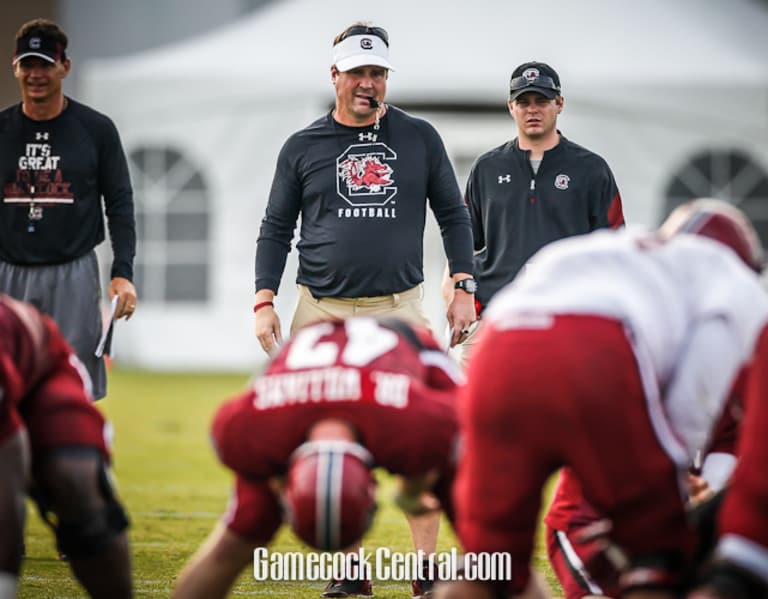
(47, 421)
(613, 357)
(739, 569)
(575, 543)
(339, 398)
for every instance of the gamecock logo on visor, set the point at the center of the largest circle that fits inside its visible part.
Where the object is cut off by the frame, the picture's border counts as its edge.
(364, 175)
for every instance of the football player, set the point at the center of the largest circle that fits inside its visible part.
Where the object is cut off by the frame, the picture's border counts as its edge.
(613, 357)
(739, 569)
(574, 530)
(338, 399)
(50, 428)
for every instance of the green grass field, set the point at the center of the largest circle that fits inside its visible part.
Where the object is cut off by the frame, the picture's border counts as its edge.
(174, 489)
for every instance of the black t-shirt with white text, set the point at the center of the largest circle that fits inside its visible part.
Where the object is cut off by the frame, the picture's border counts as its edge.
(362, 194)
(53, 175)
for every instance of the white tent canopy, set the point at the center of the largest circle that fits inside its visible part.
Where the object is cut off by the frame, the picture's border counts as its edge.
(646, 84)
(463, 52)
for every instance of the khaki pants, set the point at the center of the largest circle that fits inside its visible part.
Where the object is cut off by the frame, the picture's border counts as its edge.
(405, 306)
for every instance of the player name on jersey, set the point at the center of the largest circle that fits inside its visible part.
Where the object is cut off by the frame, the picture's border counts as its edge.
(328, 385)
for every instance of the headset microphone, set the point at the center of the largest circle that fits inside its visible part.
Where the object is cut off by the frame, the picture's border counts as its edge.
(374, 102)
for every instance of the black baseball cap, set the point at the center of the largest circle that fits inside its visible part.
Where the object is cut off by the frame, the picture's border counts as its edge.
(40, 45)
(536, 77)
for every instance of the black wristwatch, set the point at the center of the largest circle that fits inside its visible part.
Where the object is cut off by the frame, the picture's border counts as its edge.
(468, 285)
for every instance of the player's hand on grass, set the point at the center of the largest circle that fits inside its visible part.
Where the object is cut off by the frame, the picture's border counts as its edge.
(414, 496)
(698, 490)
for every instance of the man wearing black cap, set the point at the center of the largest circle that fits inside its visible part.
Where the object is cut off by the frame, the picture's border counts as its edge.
(58, 159)
(534, 189)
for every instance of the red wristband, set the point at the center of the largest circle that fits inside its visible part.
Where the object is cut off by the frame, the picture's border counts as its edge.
(260, 305)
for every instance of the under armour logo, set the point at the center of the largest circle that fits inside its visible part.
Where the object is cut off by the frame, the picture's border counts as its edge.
(41, 135)
(370, 136)
(505, 179)
(34, 43)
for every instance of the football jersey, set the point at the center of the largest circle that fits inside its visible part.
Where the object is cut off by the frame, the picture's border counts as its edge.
(670, 296)
(43, 386)
(24, 351)
(394, 386)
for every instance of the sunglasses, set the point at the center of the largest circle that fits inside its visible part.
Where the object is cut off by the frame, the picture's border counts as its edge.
(540, 81)
(379, 32)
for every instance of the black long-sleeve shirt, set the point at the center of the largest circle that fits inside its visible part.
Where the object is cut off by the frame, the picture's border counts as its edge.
(516, 212)
(362, 194)
(53, 175)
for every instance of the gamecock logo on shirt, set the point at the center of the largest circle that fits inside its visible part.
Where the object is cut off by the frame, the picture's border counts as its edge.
(364, 174)
(562, 181)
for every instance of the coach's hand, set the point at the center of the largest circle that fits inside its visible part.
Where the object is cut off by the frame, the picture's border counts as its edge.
(267, 321)
(126, 292)
(461, 314)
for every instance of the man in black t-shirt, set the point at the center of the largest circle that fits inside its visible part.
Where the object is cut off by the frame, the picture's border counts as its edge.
(360, 177)
(58, 159)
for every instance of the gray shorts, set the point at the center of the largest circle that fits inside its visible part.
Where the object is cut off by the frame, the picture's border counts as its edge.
(70, 293)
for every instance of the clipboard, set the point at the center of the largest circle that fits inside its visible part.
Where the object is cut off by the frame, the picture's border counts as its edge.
(105, 343)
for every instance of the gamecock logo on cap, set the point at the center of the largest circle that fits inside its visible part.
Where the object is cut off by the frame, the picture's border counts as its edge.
(531, 75)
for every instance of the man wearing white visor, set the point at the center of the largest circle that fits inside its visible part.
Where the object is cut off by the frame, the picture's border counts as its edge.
(360, 177)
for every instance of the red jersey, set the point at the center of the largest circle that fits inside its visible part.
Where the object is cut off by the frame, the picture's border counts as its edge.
(394, 386)
(397, 393)
(743, 526)
(41, 378)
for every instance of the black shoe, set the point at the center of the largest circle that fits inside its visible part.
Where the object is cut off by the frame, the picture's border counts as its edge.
(423, 587)
(348, 588)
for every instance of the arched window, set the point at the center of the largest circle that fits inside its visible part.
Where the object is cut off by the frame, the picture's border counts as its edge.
(731, 175)
(172, 226)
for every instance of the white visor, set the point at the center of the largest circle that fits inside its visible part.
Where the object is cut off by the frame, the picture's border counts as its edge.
(361, 50)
